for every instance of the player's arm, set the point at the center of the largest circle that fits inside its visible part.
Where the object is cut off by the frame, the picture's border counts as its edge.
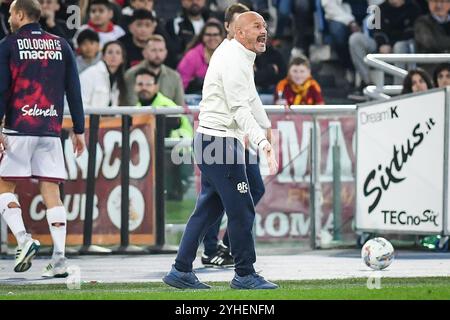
(73, 94)
(5, 83)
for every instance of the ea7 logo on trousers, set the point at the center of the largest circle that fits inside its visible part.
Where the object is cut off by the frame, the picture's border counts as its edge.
(242, 187)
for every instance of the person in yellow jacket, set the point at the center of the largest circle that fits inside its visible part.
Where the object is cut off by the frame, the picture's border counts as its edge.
(147, 91)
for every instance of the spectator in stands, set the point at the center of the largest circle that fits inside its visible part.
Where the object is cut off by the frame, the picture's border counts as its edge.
(341, 24)
(417, 80)
(423, 5)
(4, 7)
(298, 88)
(103, 84)
(50, 23)
(432, 31)
(395, 36)
(300, 13)
(100, 20)
(142, 27)
(192, 67)
(89, 49)
(147, 90)
(441, 75)
(270, 68)
(183, 28)
(169, 80)
(127, 12)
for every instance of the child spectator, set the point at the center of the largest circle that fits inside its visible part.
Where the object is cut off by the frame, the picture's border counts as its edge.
(298, 88)
(88, 44)
(100, 20)
(441, 75)
(192, 67)
(142, 27)
(103, 84)
(417, 80)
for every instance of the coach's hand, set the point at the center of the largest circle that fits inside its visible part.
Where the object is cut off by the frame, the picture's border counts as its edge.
(270, 155)
(78, 144)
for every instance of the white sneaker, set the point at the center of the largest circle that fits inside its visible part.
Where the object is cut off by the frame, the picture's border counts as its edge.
(25, 254)
(56, 269)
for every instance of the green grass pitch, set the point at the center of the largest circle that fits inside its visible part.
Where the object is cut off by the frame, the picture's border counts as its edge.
(348, 289)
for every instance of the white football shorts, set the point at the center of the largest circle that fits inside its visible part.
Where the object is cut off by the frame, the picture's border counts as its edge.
(33, 157)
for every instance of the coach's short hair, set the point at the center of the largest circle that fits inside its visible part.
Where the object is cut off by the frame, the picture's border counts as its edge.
(233, 9)
(31, 8)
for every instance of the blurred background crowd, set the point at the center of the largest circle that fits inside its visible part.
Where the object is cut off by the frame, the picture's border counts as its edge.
(315, 53)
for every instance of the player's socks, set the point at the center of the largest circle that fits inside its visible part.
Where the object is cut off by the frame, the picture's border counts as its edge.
(57, 222)
(13, 217)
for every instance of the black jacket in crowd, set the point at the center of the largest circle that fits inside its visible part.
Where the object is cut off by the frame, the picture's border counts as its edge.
(397, 24)
(4, 26)
(186, 33)
(432, 36)
(265, 76)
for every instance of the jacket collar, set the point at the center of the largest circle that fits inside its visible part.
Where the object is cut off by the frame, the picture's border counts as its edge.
(30, 27)
(249, 54)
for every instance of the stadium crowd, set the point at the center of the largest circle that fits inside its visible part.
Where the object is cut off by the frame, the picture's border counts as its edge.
(118, 39)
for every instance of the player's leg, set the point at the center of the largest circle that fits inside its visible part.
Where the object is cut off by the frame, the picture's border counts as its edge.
(210, 241)
(47, 165)
(208, 210)
(218, 253)
(57, 223)
(255, 182)
(14, 165)
(235, 194)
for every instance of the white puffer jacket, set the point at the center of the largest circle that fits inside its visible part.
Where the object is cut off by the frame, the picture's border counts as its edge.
(96, 89)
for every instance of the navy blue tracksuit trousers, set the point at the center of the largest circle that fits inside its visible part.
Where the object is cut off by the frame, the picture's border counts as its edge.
(224, 186)
(257, 189)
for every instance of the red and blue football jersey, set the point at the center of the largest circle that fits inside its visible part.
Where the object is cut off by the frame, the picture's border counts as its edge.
(36, 70)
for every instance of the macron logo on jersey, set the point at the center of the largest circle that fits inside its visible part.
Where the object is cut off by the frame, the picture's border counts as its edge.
(38, 112)
(39, 49)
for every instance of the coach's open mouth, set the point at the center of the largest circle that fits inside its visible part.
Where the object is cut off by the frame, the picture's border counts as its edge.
(261, 39)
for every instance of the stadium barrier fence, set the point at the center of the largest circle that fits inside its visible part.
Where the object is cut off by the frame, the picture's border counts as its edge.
(126, 113)
(383, 64)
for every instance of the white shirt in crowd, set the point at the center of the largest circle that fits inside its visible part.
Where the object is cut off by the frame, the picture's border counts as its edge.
(104, 37)
(96, 89)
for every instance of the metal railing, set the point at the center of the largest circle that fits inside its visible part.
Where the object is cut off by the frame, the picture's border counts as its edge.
(316, 111)
(126, 114)
(160, 143)
(383, 64)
